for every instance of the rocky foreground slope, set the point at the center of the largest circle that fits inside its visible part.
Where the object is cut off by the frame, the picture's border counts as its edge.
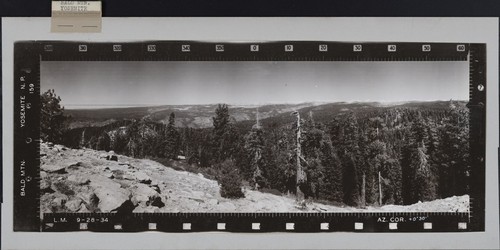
(85, 180)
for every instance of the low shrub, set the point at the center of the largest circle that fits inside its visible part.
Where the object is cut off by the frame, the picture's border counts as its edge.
(230, 180)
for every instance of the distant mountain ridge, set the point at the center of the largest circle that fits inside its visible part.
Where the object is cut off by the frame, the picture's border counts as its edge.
(200, 116)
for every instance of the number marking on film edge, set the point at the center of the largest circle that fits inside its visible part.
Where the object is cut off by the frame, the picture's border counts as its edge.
(219, 48)
(26, 153)
(267, 51)
(27, 136)
(151, 48)
(186, 48)
(82, 48)
(259, 222)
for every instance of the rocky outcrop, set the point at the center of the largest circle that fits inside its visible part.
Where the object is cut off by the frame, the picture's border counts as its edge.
(110, 156)
(111, 200)
(49, 168)
(78, 179)
(146, 196)
(74, 205)
(45, 183)
(111, 195)
(85, 180)
(142, 177)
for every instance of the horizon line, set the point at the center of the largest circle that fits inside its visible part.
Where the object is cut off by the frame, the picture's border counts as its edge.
(112, 106)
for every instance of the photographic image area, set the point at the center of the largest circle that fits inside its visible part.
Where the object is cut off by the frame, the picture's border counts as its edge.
(266, 136)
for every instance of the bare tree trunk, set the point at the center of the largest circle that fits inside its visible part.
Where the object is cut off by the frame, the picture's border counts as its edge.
(363, 191)
(379, 189)
(300, 172)
(82, 140)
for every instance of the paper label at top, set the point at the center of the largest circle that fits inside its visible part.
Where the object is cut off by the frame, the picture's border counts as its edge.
(76, 16)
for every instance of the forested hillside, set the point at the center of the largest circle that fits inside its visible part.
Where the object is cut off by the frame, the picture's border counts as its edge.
(360, 154)
(193, 116)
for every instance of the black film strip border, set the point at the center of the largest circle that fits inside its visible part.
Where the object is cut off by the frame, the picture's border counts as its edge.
(477, 134)
(26, 138)
(253, 51)
(26, 131)
(258, 222)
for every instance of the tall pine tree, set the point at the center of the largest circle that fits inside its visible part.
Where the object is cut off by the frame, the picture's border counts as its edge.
(254, 146)
(172, 143)
(225, 137)
(418, 182)
(52, 118)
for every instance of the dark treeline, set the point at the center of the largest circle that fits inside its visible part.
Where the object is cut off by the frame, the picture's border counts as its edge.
(375, 156)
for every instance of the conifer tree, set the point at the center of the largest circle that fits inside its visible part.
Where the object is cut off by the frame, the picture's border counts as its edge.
(377, 160)
(348, 138)
(221, 124)
(172, 143)
(230, 180)
(332, 172)
(417, 175)
(452, 159)
(225, 138)
(254, 146)
(424, 186)
(52, 118)
(103, 142)
(133, 145)
(281, 166)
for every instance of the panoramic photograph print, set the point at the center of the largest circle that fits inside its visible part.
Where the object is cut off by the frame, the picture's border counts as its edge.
(254, 136)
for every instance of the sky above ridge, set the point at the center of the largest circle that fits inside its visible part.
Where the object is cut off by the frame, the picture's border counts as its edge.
(112, 83)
